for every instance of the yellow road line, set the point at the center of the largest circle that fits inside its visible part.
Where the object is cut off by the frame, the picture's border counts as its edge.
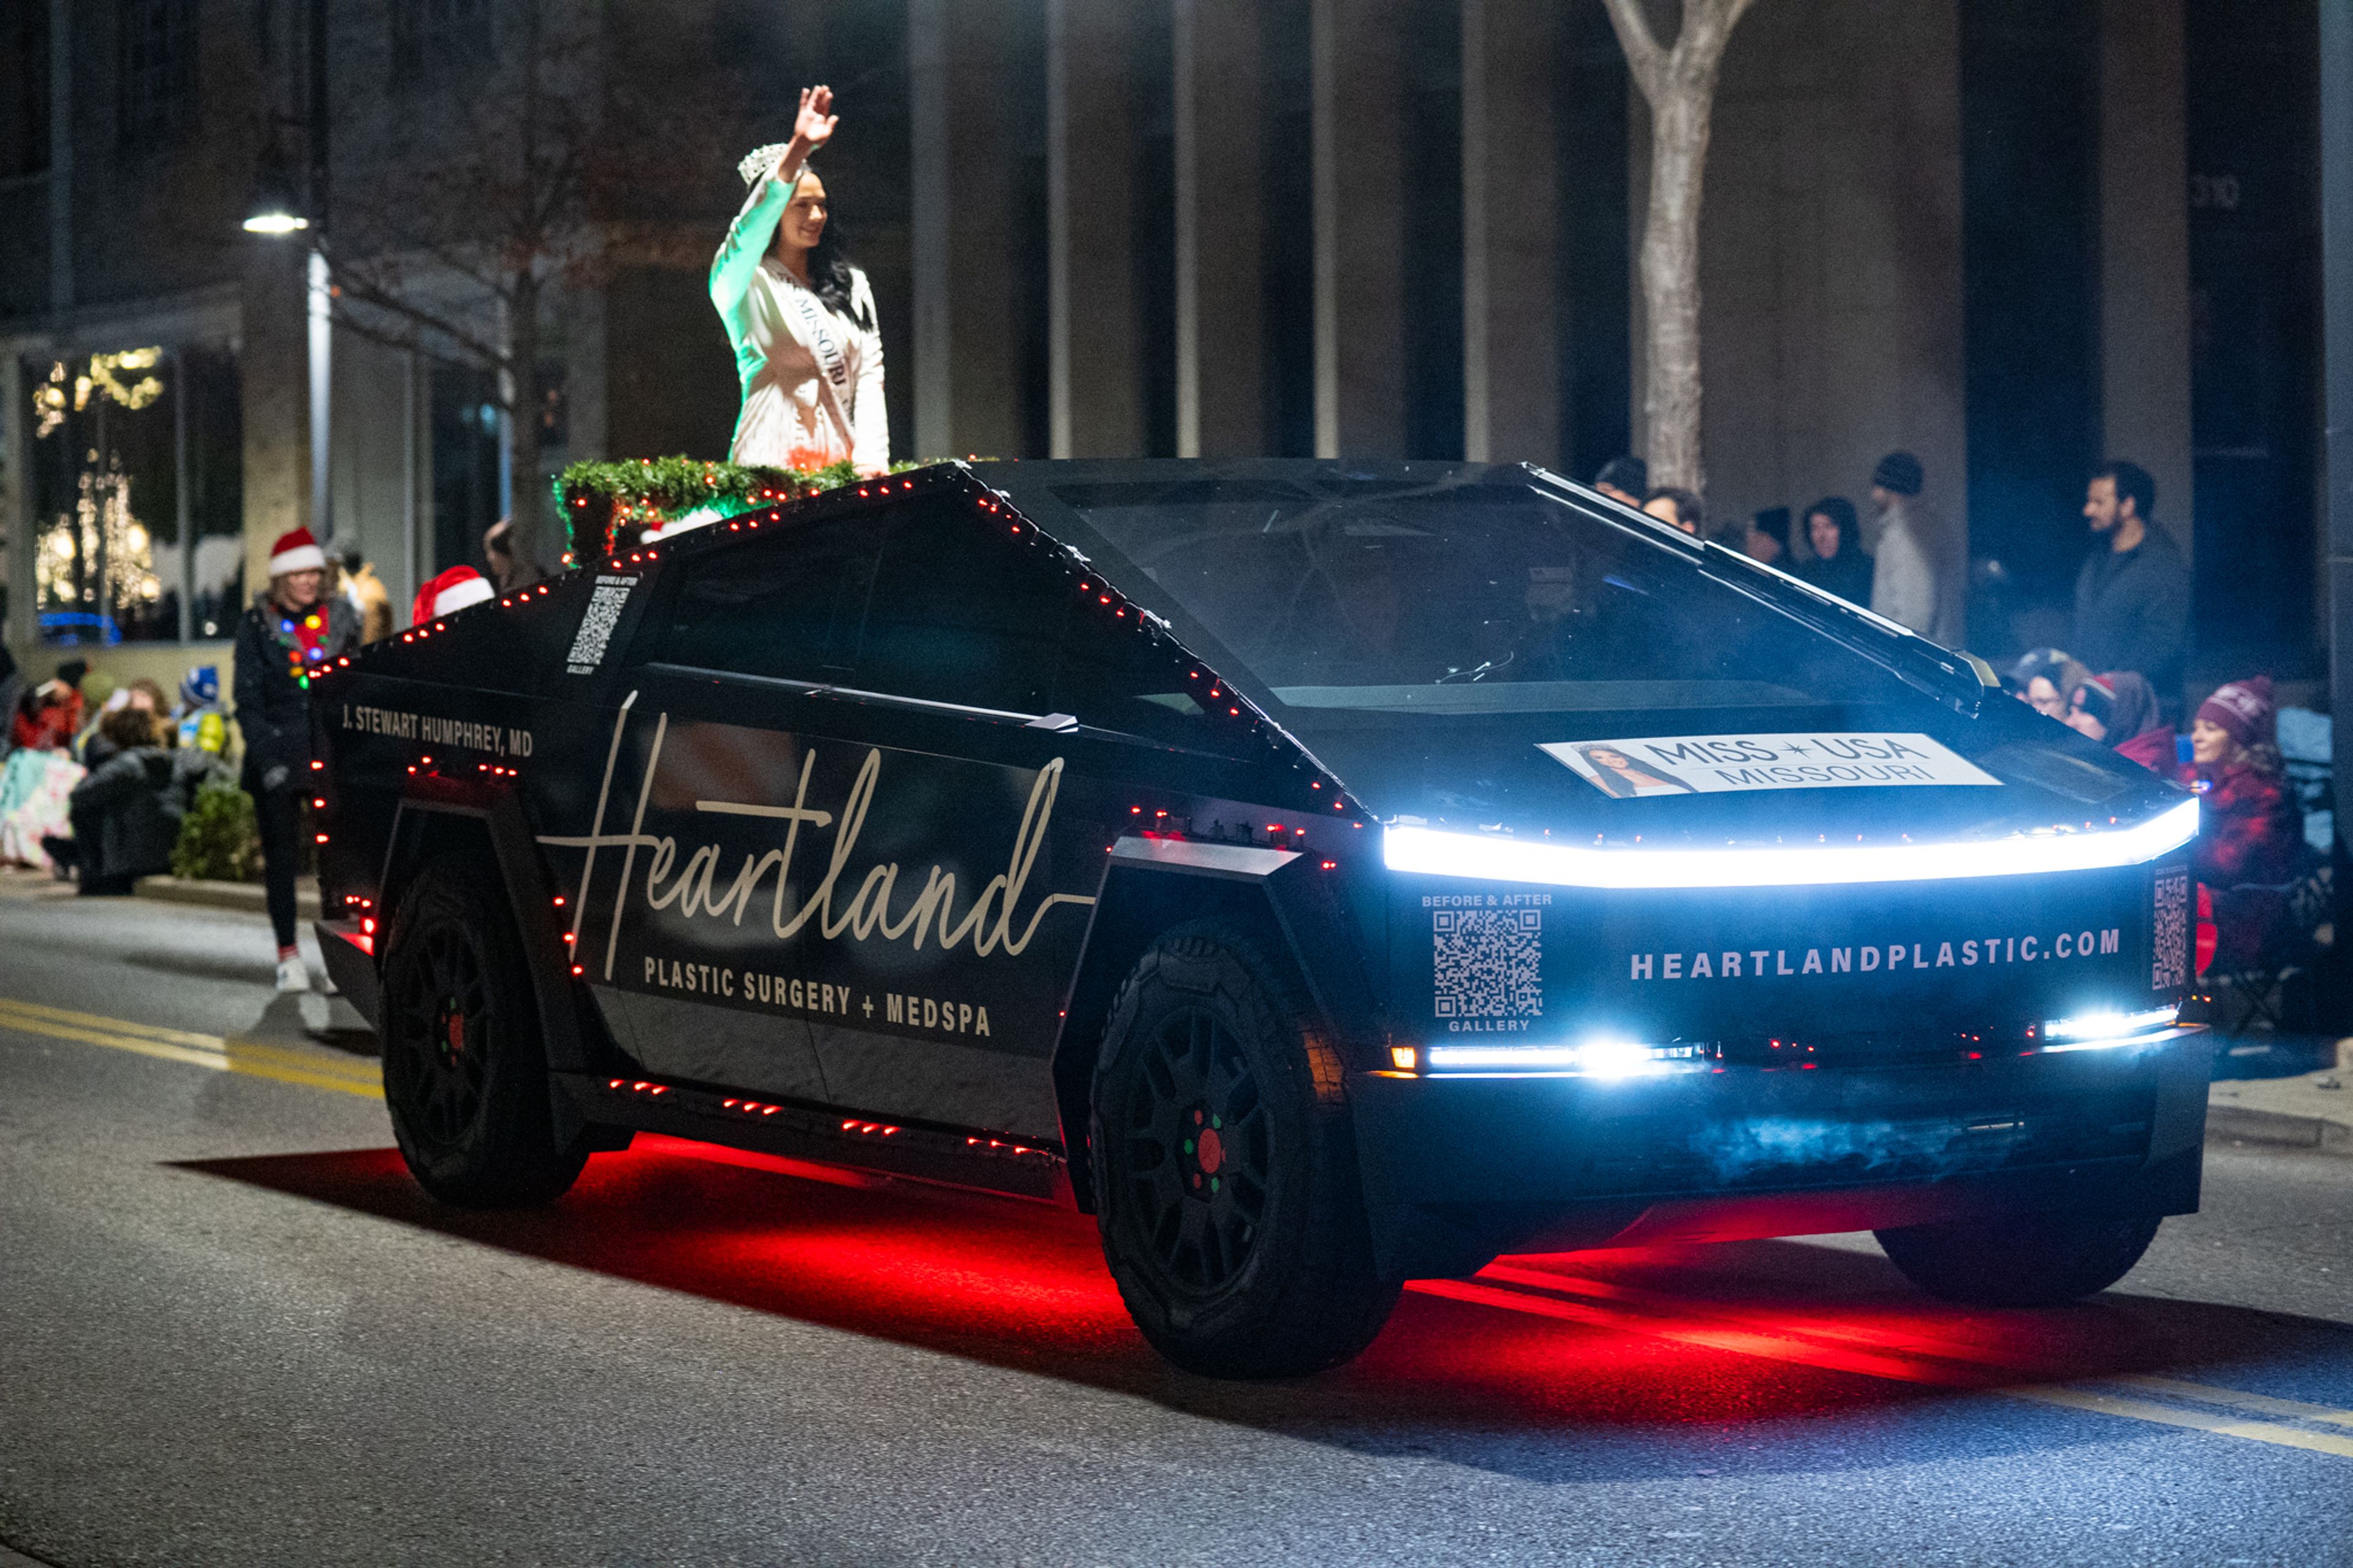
(2172, 1415)
(112, 1025)
(2261, 1404)
(193, 1050)
(1728, 1333)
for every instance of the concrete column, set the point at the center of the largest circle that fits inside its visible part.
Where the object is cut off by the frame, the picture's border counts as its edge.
(273, 390)
(1094, 403)
(966, 388)
(1359, 176)
(1831, 260)
(1221, 373)
(2145, 251)
(1511, 349)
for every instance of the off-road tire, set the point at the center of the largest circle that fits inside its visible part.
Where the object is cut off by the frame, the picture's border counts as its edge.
(1226, 1182)
(465, 1069)
(2029, 1260)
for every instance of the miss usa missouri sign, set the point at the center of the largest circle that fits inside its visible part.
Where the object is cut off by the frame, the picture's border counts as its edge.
(1714, 764)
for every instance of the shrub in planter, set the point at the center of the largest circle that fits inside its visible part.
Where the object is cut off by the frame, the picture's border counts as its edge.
(219, 840)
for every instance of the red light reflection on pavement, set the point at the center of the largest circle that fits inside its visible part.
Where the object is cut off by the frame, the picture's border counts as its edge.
(1721, 1334)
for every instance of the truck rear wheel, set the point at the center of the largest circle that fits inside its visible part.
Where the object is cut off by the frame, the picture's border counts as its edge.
(465, 1074)
(1227, 1191)
(2031, 1260)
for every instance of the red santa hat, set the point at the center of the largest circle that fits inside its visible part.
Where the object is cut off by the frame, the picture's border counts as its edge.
(449, 593)
(296, 551)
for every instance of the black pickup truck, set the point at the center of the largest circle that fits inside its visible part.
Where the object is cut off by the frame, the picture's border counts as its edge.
(1326, 875)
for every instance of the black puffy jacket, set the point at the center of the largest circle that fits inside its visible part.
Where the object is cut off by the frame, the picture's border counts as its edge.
(273, 708)
(134, 803)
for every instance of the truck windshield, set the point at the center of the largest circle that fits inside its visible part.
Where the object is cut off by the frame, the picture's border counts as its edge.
(1481, 592)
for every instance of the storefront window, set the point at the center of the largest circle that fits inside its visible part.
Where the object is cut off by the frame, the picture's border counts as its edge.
(132, 448)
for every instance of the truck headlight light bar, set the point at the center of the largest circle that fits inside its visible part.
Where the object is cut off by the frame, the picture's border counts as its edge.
(1596, 1057)
(1498, 859)
(2099, 1031)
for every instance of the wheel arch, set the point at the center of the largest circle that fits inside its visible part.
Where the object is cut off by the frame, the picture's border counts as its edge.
(1151, 887)
(485, 822)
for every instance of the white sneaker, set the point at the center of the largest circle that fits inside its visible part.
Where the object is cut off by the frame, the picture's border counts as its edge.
(292, 976)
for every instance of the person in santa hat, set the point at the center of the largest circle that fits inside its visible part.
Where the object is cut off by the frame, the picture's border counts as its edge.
(449, 593)
(293, 631)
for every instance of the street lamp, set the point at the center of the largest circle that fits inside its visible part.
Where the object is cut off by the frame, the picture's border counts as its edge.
(277, 206)
(278, 209)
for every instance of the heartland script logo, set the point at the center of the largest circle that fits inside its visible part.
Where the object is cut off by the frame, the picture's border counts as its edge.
(989, 923)
(1969, 953)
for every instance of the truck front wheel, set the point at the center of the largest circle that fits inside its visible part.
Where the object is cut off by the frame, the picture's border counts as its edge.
(2029, 1260)
(1226, 1190)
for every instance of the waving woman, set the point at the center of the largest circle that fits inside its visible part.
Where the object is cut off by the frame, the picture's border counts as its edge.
(800, 316)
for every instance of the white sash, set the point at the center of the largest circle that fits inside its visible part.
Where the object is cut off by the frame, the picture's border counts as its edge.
(832, 363)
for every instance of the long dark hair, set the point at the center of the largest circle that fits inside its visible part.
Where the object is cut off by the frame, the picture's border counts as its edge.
(1840, 512)
(831, 277)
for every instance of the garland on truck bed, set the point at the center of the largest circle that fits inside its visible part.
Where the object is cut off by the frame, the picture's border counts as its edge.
(603, 502)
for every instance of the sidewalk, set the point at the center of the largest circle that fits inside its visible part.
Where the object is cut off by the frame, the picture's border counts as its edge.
(247, 896)
(2313, 1111)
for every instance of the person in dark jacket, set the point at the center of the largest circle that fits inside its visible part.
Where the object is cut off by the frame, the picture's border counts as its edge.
(126, 812)
(291, 633)
(2132, 596)
(2251, 835)
(1835, 536)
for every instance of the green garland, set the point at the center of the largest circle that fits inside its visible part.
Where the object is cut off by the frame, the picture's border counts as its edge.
(600, 500)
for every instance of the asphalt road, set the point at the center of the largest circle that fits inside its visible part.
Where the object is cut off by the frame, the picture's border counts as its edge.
(232, 1331)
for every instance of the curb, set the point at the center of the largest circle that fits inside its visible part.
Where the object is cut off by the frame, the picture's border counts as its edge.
(249, 897)
(2279, 1128)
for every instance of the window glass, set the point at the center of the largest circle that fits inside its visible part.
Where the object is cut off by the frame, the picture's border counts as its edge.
(1116, 677)
(1463, 597)
(964, 612)
(785, 606)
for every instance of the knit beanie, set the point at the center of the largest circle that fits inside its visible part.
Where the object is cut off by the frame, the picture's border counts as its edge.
(2243, 708)
(1900, 472)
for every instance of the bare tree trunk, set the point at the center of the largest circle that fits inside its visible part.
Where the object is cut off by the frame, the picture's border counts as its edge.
(1680, 86)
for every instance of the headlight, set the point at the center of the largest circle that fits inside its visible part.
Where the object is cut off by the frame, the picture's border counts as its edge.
(1598, 1057)
(2092, 1031)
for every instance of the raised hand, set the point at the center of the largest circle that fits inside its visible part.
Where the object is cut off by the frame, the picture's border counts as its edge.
(813, 126)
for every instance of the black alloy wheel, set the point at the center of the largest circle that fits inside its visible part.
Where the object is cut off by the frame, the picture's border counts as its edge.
(1197, 1136)
(1225, 1169)
(465, 1072)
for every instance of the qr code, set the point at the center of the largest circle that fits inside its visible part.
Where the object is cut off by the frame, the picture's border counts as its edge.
(597, 627)
(2169, 966)
(1488, 962)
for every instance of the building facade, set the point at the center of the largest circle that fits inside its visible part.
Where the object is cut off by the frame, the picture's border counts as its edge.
(2014, 237)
